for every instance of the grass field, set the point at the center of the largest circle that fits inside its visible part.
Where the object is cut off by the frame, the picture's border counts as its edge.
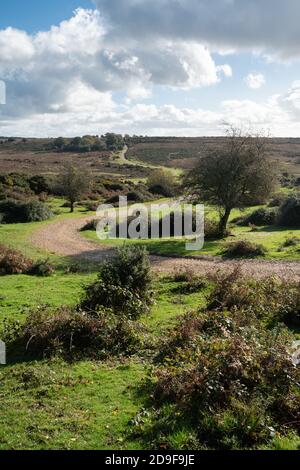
(272, 238)
(53, 404)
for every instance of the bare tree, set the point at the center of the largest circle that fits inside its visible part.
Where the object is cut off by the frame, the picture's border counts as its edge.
(74, 183)
(235, 175)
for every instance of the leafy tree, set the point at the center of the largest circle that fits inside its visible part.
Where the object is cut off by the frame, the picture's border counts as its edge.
(114, 142)
(74, 183)
(234, 176)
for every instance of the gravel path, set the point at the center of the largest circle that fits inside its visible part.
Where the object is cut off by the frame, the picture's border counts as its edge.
(63, 238)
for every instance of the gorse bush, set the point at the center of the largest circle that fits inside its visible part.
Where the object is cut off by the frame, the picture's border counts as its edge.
(123, 284)
(260, 217)
(20, 212)
(289, 212)
(244, 249)
(271, 300)
(224, 382)
(73, 334)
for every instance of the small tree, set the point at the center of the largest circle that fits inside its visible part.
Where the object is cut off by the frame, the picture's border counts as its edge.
(74, 183)
(233, 176)
(162, 182)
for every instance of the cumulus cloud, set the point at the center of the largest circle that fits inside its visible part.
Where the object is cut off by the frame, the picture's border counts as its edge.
(41, 68)
(277, 114)
(255, 80)
(271, 25)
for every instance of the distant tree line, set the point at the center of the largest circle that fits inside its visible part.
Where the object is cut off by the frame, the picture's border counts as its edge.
(88, 143)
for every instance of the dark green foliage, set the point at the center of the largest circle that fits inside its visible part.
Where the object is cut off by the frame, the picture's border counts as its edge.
(289, 212)
(20, 212)
(244, 249)
(38, 184)
(41, 268)
(114, 142)
(260, 217)
(123, 285)
(92, 225)
(73, 334)
(162, 183)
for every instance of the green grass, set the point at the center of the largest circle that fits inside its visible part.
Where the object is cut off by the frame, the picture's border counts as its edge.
(270, 238)
(18, 235)
(52, 404)
(55, 405)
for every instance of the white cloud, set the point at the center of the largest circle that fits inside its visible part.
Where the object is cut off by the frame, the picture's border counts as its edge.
(269, 25)
(280, 115)
(255, 80)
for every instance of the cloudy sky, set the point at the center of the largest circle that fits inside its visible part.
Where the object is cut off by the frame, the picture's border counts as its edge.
(156, 67)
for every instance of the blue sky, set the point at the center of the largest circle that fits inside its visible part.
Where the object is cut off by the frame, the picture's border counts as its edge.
(149, 67)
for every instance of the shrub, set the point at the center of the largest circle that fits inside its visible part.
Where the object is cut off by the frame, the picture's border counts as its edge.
(227, 380)
(36, 211)
(292, 241)
(19, 212)
(124, 284)
(162, 183)
(260, 217)
(91, 225)
(244, 249)
(41, 268)
(277, 200)
(74, 334)
(271, 300)
(13, 262)
(289, 212)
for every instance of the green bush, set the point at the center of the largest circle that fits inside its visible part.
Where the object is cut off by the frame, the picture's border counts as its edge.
(123, 284)
(289, 212)
(20, 212)
(260, 217)
(244, 249)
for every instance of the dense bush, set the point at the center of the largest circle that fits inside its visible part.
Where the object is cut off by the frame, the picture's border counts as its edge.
(259, 217)
(226, 382)
(271, 300)
(244, 249)
(73, 334)
(20, 212)
(289, 212)
(123, 285)
(162, 183)
(13, 262)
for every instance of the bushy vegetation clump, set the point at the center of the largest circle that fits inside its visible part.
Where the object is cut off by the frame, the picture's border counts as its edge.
(271, 300)
(123, 285)
(260, 217)
(225, 376)
(13, 261)
(225, 382)
(289, 212)
(23, 212)
(163, 183)
(73, 334)
(244, 249)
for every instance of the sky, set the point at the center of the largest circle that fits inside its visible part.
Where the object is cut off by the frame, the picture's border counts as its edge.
(154, 67)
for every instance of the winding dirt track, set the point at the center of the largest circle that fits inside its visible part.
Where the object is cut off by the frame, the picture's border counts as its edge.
(63, 238)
